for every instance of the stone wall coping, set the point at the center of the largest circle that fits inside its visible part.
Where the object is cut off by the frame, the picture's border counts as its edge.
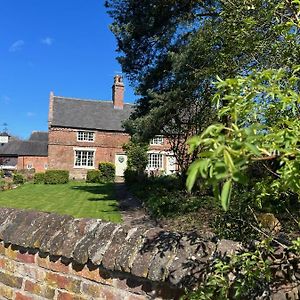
(150, 253)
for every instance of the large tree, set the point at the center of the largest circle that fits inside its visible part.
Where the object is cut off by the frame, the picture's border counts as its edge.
(173, 50)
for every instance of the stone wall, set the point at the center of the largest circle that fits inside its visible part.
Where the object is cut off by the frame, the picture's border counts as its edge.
(49, 256)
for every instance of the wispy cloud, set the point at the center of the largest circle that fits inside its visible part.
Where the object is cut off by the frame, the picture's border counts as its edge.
(47, 41)
(16, 46)
(30, 114)
(5, 99)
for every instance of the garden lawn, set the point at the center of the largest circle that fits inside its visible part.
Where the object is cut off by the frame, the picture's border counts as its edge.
(78, 199)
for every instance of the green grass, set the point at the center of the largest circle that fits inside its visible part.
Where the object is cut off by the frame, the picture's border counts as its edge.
(78, 199)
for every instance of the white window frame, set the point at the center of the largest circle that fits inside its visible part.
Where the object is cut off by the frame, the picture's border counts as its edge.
(86, 136)
(157, 140)
(81, 166)
(29, 166)
(46, 166)
(155, 161)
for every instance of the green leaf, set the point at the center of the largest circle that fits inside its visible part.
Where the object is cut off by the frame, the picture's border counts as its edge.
(228, 160)
(252, 148)
(239, 177)
(226, 194)
(192, 174)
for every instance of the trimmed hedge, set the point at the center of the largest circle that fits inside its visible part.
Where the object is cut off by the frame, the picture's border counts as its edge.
(93, 176)
(18, 178)
(56, 176)
(107, 171)
(39, 178)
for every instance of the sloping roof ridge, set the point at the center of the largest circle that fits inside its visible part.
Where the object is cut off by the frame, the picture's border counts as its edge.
(89, 100)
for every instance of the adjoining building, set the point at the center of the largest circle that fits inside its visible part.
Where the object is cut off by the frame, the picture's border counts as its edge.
(21, 155)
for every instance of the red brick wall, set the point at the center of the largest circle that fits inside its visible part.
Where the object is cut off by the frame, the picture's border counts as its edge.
(63, 141)
(37, 162)
(30, 275)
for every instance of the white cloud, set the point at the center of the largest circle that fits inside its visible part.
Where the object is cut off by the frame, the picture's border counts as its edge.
(16, 46)
(30, 114)
(5, 99)
(47, 41)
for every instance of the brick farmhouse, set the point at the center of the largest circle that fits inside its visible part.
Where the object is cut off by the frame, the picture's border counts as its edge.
(84, 132)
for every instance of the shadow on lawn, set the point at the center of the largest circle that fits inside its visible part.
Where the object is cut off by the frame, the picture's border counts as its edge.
(106, 192)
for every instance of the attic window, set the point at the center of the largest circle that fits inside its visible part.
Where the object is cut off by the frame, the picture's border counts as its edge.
(157, 140)
(85, 136)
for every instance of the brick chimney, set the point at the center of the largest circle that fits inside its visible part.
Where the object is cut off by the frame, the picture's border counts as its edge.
(50, 113)
(118, 92)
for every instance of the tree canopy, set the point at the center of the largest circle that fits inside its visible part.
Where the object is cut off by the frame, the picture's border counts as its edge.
(172, 52)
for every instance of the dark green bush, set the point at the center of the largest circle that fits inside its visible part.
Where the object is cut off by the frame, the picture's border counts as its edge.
(18, 178)
(130, 176)
(39, 178)
(107, 171)
(56, 176)
(93, 176)
(1, 173)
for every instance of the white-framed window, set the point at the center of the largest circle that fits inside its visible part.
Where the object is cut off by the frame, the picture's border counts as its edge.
(155, 161)
(157, 140)
(84, 158)
(29, 166)
(45, 166)
(85, 136)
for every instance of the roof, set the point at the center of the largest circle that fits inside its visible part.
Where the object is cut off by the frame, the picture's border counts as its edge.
(41, 136)
(89, 114)
(24, 148)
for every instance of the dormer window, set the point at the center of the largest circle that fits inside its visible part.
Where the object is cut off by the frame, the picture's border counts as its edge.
(85, 136)
(157, 140)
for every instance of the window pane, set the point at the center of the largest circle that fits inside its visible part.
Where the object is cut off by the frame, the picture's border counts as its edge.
(85, 136)
(84, 158)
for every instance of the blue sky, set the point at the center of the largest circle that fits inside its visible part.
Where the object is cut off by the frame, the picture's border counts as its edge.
(59, 45)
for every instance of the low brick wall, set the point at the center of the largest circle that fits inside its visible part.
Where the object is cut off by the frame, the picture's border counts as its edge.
(49, 256)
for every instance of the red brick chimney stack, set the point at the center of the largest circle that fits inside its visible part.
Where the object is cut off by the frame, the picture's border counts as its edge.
(118, 92)
(50, 114)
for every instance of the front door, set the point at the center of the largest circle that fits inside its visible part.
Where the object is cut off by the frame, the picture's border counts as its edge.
(121, 164)
(171, 165)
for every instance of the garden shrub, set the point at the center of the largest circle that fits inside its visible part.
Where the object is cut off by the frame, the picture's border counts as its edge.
(18, 178)
(1, 173)
(39, 178)
(107, 171)
(56, 176)
(93, 176)
(130, 176)
(2, 184)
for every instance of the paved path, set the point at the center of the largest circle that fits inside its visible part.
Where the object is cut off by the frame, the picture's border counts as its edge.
(131, 208)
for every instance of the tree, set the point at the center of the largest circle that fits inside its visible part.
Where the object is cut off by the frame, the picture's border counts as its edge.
(172, 51)
(137, 156)
(264, 110)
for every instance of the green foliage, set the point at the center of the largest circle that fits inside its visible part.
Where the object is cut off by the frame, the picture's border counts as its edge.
(296, 246)
(93, 176)
(56, 177)
(245, 275)
(131, 176)
(264, 125)
(172, 50)
(39, 178)
(18, 178)
(1, 173)
(163, 196)
(137, 156)
(107, 171)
